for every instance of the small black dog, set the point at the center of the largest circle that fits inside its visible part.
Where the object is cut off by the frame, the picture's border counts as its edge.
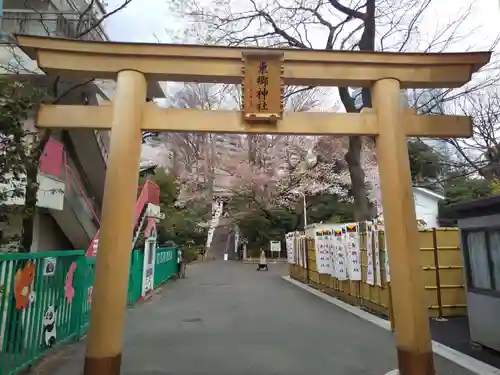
(262, 267)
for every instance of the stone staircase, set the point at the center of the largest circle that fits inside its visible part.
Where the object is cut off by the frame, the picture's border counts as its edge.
(217, 208)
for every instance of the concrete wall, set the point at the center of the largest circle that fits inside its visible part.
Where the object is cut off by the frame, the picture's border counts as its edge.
(48, 236)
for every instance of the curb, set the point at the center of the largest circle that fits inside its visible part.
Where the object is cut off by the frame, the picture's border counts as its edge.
(474, 365)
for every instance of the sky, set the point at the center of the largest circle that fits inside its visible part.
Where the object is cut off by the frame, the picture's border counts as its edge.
(149, 16)
(148, 20)
(143, 19)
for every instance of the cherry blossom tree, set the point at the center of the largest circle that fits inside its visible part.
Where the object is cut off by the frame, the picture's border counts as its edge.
(392, 25)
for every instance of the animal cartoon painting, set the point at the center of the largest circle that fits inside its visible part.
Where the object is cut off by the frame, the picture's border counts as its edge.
(23, 285)
(49, 333)
(69, 291)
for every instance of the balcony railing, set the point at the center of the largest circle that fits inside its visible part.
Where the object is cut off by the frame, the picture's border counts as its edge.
(102, 146)
(68, 25)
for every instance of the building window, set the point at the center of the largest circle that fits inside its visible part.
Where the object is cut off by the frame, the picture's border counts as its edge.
(482, 255)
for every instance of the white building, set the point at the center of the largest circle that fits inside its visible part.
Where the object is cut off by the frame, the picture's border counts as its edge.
(427, 206)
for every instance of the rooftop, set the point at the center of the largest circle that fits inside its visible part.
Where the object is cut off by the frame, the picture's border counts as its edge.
(477, 207)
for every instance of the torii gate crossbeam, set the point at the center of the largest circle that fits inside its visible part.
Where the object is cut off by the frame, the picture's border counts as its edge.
(262, 72)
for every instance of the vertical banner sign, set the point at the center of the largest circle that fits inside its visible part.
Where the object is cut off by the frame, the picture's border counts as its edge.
(386, 265)
(263, 87)
(323, 262)
(303, 246)
(301, 250)
(376, 237)
(289, 239)
(353, 251)
(295, 246)
(332, 251)
(296, 250)
(370, 277)
(340, 254)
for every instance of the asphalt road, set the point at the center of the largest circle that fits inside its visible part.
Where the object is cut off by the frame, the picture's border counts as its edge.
(226, 318)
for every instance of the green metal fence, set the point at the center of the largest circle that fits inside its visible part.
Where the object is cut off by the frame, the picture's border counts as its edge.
(135, 277)
(45, 300)
(165, 265)
(39, 305)
(85, 285)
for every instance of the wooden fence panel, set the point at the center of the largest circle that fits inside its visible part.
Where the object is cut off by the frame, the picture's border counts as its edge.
(442, 268)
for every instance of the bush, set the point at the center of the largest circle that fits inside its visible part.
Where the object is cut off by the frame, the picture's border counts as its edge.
(190, 254)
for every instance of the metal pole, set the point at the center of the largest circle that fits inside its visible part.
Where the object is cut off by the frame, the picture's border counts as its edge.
(305, 211)
(438, 276)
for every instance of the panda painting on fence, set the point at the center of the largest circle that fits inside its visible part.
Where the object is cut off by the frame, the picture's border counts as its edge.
(49, 334)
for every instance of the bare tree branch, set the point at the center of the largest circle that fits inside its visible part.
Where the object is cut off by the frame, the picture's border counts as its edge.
(102, 19)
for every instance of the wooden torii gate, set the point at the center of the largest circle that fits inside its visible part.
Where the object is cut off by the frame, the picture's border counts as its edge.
(263, 72)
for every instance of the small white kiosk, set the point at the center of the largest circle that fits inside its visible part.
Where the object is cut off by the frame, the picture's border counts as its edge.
(150, 240)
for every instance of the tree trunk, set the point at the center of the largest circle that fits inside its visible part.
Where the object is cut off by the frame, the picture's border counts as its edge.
(362, 208)
(29, 209)
(359, 191)
(251, 148)
(30, 196)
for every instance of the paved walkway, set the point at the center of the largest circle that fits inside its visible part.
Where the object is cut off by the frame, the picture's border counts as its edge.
(228, 319)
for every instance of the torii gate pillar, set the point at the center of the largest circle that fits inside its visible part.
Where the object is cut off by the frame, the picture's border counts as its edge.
(412, 335)
(104, 345)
